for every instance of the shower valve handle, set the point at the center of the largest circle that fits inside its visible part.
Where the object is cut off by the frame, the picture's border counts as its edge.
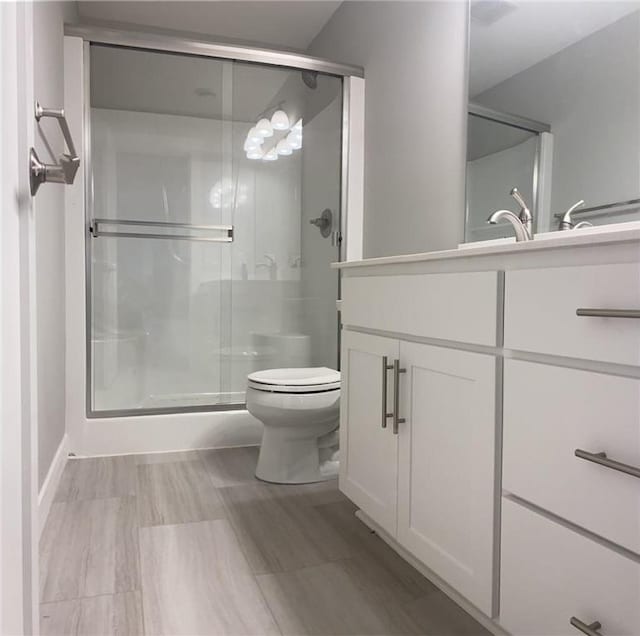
(324, 222)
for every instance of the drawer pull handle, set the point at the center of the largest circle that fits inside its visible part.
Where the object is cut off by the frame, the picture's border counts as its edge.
(385, 367)
(396, 396)
(603, 460)
(609, 313)
(590, 630)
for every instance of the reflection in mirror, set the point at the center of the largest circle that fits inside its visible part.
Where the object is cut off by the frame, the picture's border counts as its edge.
(503, 152)
(554, 91)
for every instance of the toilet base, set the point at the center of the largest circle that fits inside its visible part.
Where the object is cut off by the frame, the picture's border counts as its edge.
(283, 460)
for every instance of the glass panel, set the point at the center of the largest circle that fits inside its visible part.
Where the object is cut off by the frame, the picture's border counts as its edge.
(157, 123)
(499, 158)
(283, 290)
(178, 322)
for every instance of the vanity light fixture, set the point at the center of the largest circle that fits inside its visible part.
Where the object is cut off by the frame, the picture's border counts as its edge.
(282, 145)
(264, 128)
(255, 136)
(283, 148)
(294, 139)
(250, 144)
(272, 155)
(280, 120)
(255, 153)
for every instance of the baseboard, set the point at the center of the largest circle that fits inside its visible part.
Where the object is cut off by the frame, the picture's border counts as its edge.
(91, 437)
(52, 480)
(468, 607)
(165, 452)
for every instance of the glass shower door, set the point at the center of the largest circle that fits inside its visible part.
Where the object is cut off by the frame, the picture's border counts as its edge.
(283, 291)
(212, 229)
(159, 248)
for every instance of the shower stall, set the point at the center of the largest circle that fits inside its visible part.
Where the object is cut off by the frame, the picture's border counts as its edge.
(216, 181)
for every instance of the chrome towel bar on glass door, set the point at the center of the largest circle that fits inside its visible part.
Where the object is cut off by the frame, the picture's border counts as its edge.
(603, 460)
(608, 313)
(226, 231)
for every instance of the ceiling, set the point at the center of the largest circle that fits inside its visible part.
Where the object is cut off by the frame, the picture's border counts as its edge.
(509, 36)
(149, 81)
(193, 86)
(486, 137)
(285, 25)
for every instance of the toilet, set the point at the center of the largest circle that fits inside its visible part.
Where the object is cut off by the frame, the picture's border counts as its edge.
(300, 411)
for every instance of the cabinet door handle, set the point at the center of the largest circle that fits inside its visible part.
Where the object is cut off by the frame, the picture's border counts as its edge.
(609, 313)
(590, 630)
(603, 460)
(385, 367)
(396, 396)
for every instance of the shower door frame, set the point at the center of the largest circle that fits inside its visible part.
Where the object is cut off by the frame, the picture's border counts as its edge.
(351, 182)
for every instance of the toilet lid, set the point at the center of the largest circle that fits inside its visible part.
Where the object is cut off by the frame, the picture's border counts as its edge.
(304, 380)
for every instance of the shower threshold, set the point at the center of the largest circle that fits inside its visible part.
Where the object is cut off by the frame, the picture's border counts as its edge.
(179, 400)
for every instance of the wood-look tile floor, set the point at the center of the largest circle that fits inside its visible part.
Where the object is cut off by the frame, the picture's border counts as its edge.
(191, 543)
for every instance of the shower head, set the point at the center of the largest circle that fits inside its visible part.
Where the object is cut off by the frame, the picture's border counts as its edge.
(310, 78)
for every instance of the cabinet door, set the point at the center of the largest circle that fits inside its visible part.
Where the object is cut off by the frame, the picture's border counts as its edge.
(368, 452)
(446, 490)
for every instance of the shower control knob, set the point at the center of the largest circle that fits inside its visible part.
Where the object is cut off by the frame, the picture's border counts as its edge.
(324, 222)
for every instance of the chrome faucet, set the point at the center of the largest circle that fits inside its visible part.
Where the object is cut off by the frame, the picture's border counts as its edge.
(525, 213)
(522, 223)
(567, 223)
(522, 234)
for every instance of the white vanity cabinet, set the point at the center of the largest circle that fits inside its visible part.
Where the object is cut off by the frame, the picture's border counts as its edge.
(368, 452)
(551, 574)
(571, 523)
(516, 373)
(446, 479)
(421, 464)
(541, 312)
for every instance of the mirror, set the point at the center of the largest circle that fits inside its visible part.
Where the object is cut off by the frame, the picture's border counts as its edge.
(554, 111)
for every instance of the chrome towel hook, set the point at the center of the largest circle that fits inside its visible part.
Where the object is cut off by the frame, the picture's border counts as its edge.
(68, 163)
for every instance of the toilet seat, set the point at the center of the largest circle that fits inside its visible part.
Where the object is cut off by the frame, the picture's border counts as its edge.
(304, 380)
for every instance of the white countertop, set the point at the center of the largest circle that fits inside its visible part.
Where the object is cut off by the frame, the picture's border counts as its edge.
(602, 235)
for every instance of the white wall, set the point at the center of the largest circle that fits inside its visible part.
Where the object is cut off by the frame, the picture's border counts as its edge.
(414, 55)
(49, 18)
(590, 95)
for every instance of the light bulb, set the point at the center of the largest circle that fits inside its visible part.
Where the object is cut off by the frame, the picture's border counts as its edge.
(255, 153)
(254, 136)
(280, 120)
(263, 128)
(283, 147)
(294, 139)
(272, 155)
(297, 127)
(249, 144)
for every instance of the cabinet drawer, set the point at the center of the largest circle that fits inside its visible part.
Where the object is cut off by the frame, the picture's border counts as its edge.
(541, 304)
(549, 412)
(551, 573)
(460, 307)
